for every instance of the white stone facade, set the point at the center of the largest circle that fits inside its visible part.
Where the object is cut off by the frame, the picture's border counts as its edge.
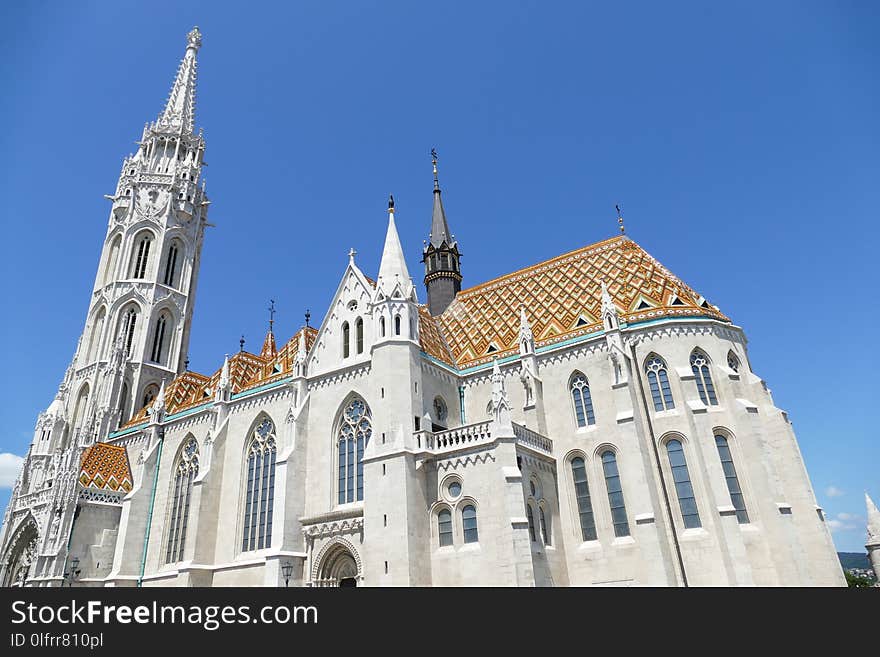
(458, 476)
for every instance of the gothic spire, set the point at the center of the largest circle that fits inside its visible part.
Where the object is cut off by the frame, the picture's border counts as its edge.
(179, 113)
(873, 519)
(393, 264)
(439, 227)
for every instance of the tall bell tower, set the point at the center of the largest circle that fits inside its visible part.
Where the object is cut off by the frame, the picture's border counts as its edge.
(138, 324)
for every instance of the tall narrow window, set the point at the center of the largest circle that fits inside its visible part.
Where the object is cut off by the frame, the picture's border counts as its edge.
(171, 265)
(346, 335)
(683, 488)
(615, 494)
(700, 368)
(95, 337)
(397, 325)
(142, 255)
(185, 472)
(359, 334)
(150, 393)
(260, 491)
(582, 493)
(353, 437)
(531, 517)
(736, 496)
(112, 260)
(157, 353)
(658, 380)
(123, 405)
(129, 323)
(583, 402)
(381, 327)
(444, 524)
(545, 526)
(469, 523)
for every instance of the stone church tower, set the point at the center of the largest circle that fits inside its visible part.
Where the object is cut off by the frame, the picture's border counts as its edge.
(441, 257)
(136, 332)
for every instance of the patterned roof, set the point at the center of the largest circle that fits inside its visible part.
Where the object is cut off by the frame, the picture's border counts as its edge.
(105, 466)
(563, 299)
(246, 370)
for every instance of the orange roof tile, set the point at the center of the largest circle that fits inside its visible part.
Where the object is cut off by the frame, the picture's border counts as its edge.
(562, 297)
(106, 466)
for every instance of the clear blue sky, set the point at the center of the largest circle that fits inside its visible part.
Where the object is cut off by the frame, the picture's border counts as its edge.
(741, 140)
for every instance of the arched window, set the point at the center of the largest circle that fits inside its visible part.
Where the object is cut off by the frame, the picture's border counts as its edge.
(615, 494)
(700, 368)
(736, 496)
(583, 402)
(169, 277)
(157, 354)
(658, 379)
(79, 413)
(683, 488)
(732, 361)
(95, 337)
(545, 526)
(469, 523)
(382, 327)
(127, 325)
(359, 334)
(354, 433)
(397, 325)
(346, 334)
(142, 255)
(444, 525)
(112, 260)
(123, 404)
(531, 516)
(185, 471)
(260, 488)
(582, 493)
(150, 393)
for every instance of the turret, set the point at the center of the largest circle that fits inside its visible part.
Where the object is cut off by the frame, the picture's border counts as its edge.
(441, 256)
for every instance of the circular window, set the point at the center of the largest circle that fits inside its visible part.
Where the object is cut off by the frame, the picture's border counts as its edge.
(455, 489)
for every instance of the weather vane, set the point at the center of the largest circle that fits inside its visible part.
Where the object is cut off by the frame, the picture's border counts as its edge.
(620, 219)
(241, 344)
(271, 313)
(308, 316)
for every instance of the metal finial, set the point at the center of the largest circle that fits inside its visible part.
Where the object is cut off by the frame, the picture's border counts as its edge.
(434, 162)
(308, 316)
(186, 364)
(391, 203)
(241, 344)
(620, 219)
(271, 313)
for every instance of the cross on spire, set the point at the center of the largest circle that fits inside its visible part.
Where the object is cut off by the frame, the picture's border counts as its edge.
(271, 313)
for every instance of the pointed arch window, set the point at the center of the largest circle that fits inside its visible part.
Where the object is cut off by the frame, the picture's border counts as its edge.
(346, 335)
(185, 471)
(112, 259)
(582, 494)
(171, 264)
(700, 368)
(658, 380)
(469, 523)
(545, 526)
(129, 324)
(95, 337)
(531, 517)
(736, 496)
(359, 334)
(157, 353)
(382, 327)
(142, 255)
(355, 431)
(150, 393)
(732, 361)
(444, 525)
(583, 402)
(615, 494)
(123, 404)
(397, 325)
(260, 488)
(683, 487)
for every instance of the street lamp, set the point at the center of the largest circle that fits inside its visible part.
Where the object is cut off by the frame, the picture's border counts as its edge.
(286, 570)
(74, 571)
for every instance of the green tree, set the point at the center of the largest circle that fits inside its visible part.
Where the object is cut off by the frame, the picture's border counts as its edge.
(857, 582)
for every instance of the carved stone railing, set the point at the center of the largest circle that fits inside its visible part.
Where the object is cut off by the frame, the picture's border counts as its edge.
(533, 439)
(31, 500)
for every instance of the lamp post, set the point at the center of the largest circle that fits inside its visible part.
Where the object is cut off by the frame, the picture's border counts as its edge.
(286, 570)
(74, 571)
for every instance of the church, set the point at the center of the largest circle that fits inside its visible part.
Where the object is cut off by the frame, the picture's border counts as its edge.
(591, 420)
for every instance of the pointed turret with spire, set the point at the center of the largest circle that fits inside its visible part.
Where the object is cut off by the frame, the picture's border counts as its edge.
(180, 110)
(394, 279)
(269, 350)
(440, 255)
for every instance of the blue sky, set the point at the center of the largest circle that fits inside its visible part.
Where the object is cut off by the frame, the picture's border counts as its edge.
(741, 140)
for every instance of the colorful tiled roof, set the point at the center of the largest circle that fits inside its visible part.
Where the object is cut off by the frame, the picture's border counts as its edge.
(562, 297)
(246, 370)
(105, 466)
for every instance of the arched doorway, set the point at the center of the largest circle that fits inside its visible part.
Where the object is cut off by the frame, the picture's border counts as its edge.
(22, 554)
(338, 567)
